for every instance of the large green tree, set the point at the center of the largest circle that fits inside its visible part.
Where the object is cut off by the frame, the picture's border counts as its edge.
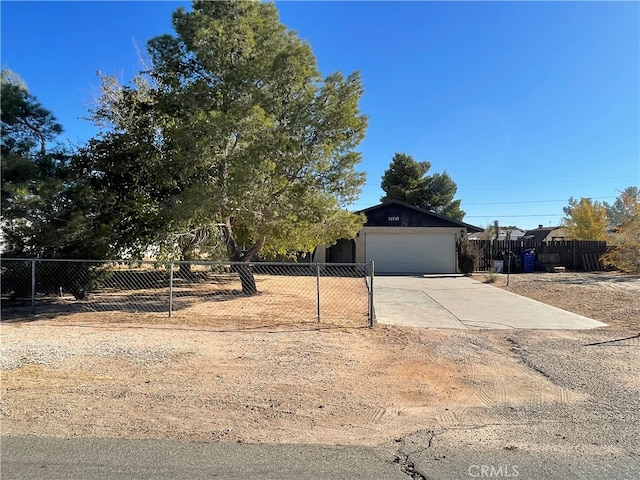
(45, 209)
(41, 202)
(27, 126)
(31, 176)
(406, 179)
(236, 133)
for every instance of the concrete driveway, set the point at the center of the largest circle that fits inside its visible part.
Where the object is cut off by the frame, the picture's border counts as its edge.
(459, 302)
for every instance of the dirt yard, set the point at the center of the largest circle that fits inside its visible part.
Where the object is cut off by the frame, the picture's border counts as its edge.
(211, 297)
(207, 379)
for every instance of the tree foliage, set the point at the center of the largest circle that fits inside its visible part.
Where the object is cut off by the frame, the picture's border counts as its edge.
(585, 219)
(406, 180)
(624, 252)
(43, 205)
(625, 208)
(231, 136)
(27, 126)
(40, 200)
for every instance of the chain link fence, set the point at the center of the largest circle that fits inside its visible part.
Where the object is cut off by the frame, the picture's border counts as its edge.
(272, 292)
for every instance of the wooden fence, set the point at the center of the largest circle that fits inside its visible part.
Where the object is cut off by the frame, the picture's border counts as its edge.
(575, 255)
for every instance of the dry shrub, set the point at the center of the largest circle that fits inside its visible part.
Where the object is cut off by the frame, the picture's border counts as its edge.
(468, 256)
(624, 254)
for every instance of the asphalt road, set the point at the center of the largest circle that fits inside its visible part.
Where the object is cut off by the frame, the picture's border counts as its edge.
(54, 458)
(450, 459)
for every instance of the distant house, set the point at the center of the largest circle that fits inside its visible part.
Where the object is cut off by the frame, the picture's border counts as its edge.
(402, 238)
(545, 234)
(515, 234)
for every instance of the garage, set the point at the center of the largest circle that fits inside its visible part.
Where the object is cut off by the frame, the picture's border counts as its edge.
(411, 252)
(402, 238)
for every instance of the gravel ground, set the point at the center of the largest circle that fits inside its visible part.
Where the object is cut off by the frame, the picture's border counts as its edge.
(587, 429)
(423, 392)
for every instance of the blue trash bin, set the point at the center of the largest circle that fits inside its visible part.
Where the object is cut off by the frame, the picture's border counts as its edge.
(528, 262)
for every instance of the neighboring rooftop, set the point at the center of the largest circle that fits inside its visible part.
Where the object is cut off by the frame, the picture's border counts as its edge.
(516, 234)
(545, 234)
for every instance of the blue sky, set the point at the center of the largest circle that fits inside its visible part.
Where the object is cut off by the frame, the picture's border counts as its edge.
(524, 104)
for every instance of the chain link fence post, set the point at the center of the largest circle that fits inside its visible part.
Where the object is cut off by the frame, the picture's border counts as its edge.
(371, 312)
(170, 288)
(318, 288)
(33, 286)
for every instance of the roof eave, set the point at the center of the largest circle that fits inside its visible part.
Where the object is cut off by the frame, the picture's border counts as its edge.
(468, 226)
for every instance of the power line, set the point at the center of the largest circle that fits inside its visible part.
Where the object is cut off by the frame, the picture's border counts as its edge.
(464, 204)
(533, 201)
(511, 216)
(557, 183)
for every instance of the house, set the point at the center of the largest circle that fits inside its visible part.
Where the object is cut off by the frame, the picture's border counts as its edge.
(545, 234)
(515, 234)
(402, 238)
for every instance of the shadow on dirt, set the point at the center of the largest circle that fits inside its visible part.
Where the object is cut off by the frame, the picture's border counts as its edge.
(633, 341)
(105, 302)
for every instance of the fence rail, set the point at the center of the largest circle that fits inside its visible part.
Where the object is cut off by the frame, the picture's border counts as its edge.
(283, 292)
(575, 255)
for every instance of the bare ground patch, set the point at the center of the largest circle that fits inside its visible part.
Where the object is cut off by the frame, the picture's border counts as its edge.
(338, 386)
(216, 301)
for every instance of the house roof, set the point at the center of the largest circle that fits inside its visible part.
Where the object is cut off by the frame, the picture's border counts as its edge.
(442, 220)
(539, 234)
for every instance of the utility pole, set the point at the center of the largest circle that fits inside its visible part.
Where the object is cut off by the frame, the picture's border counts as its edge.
(508, 255)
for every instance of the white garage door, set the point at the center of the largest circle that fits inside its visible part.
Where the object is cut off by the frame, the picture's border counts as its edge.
(411, 253)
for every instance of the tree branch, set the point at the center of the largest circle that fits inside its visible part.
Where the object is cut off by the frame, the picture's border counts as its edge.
(249, 254)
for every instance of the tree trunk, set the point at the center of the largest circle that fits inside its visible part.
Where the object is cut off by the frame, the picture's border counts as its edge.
(247, 279)
(188, 254)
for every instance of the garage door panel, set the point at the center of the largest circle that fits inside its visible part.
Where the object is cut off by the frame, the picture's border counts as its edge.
(411, 253)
